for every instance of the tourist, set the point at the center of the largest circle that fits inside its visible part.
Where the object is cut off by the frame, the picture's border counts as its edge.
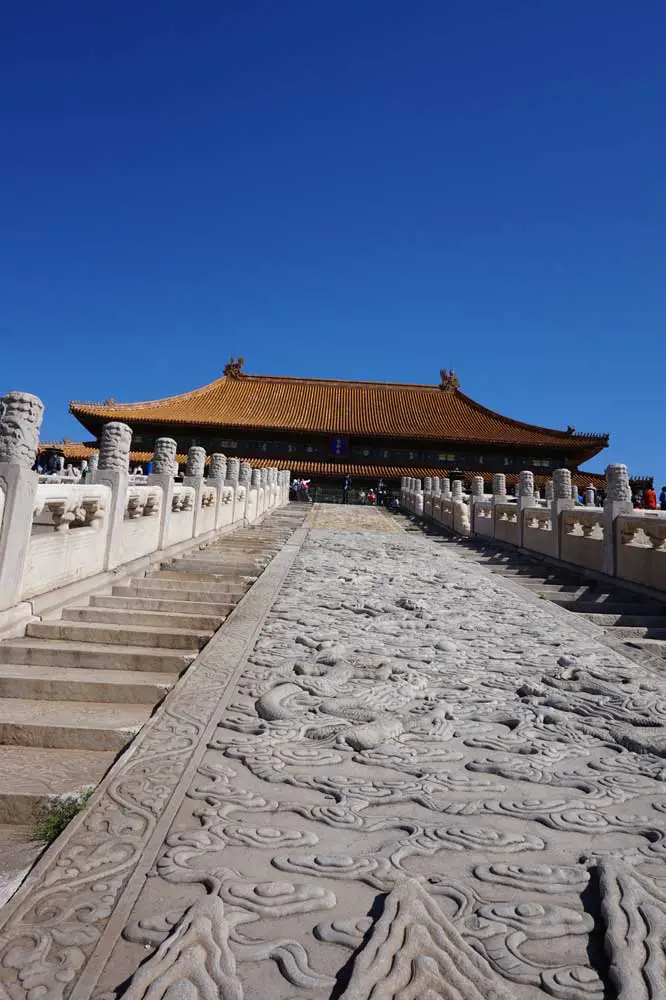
(346, 486)
(372, 497)
(649, 498)
(662, 498)
(293, 489)
(638, 501)
(362, 497)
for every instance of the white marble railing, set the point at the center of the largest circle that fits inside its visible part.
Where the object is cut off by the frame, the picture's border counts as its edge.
(641, 548)
(62, 506)
(70, 524)
(61, 529)
(614, 540)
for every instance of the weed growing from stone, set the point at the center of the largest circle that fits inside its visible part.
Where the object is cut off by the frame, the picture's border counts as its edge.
(59, 811)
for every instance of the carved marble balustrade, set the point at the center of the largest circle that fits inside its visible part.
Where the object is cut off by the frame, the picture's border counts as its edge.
(614, 540)
(63, 529)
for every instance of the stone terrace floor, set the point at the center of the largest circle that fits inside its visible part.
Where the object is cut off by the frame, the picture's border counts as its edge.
(419, 783)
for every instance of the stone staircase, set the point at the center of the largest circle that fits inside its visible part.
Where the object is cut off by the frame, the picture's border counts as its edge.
(635, 621)
(76, 689)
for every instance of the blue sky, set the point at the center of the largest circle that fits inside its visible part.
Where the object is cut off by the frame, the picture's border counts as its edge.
(339, 189)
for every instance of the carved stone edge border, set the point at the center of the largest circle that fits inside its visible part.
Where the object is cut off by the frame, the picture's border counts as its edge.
(228, 648)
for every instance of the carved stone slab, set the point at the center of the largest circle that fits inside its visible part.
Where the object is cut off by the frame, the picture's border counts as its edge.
(419, 784)
(424, 785)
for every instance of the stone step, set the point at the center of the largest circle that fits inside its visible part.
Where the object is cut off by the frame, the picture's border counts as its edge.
(538, 586)
(636, 632)
(604, 599)
(140, 687)
(531, 573)
(170, 581)
(118, 600)
(137, 616)
(588, 607)
(179, 589)
(93, 655)
(657, 647)
(257, 557)
(218, 579)
(628, 621)
(120, 635)
(18, 852)
(68, 725)
(30, 775)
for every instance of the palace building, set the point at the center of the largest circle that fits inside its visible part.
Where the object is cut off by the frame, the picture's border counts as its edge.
(324, 429)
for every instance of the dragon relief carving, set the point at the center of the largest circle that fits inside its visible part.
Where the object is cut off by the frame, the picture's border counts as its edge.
(399, 721)
(420, 785)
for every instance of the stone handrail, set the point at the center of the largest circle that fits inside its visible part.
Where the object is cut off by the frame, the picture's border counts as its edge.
(57, 530)
(640, 540)
(62, 506)
(143, 501)
(614, 540)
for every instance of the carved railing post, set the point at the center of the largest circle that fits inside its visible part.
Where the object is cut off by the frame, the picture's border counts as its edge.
(164, 460)
(20, 419)
(460, 511)
(618, 502)
(525, 500)
(561, 501)
(418, 499)
(113, 471)
(427, 496)
(255, 487)
(265, 498)
(217, 472)
(499, 494)
(233, 472)
(273, 480)
(194, 476)
(476, 497)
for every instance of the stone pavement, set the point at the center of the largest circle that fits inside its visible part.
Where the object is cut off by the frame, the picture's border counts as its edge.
(389, 774)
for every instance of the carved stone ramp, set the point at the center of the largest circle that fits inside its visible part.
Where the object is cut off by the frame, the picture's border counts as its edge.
(390, 773)
(78, 688)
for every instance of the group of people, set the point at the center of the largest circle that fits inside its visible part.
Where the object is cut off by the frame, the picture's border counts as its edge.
(52, 464)
(647, 500)
(378, 497)
(300, 490)
(642, 500)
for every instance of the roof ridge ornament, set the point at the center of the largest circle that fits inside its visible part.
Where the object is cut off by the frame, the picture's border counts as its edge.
(234, 369)
(450, 381)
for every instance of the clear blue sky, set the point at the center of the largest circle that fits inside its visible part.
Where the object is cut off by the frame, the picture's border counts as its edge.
(350, 188)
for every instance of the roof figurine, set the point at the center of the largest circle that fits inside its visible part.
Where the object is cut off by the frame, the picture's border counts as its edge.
(450, 381)
(234, 369)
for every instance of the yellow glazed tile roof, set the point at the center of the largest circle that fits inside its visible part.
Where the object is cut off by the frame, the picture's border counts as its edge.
(362, 409)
